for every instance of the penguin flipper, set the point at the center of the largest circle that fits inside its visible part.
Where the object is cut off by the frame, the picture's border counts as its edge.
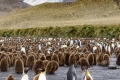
(75, 76)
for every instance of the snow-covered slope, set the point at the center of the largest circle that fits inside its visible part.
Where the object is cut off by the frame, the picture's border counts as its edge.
(36, 2)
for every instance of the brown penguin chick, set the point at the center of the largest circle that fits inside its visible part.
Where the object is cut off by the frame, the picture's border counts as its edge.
(117, 52)
(72, 60)
(103, 63)
(90, 58)
(19, 65)
(87, 53)
(51, 67)
(82, 56)
(56, 52)
(67, 58)
(100, 58)
(24, 58)
(45, 62)
(11, 59)
(118, 59)
(97, 51)
(103, 49)
(84, 64)
(30, 61)
(10, 77)
(7, 56)
(48, 57)
(55, 57)
(106, 60)
(77, 58)
(14, 59)
(15, 56)
(107, 52)
(42, 57)
(4, 65)
(84, 49)
(95, 59)
(61, 59)
(38, 64)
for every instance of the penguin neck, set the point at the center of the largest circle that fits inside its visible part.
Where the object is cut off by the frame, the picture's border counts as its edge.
(43, 72)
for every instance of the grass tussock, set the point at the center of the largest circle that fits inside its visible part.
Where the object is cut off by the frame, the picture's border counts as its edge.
(86, 31)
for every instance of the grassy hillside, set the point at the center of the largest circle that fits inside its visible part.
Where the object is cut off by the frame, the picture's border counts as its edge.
(61, 14)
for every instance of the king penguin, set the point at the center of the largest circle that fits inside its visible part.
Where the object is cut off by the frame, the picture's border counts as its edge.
(71, 74)
(25, 75)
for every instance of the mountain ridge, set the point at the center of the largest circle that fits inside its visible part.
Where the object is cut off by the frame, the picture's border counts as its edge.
(8, 6)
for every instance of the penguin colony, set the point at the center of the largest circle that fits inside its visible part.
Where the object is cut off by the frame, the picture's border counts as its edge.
(51, 53)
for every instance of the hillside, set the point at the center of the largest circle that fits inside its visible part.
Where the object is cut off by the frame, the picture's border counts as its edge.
(8, 6)
(64, 14)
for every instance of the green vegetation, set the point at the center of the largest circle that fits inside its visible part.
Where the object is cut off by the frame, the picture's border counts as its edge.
(49, 14)
(86, 31)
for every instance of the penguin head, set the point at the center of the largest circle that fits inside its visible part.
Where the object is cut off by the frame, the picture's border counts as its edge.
(41, 69)
(26, 70)
(84, 68)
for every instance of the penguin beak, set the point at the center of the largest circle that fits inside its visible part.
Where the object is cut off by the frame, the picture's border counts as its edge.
(27, 68)
(41, 69)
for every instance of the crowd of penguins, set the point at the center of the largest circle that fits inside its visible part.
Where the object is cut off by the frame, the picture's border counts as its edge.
(45, 55)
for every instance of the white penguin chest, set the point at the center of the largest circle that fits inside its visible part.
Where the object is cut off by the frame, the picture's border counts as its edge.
(42, 77)
(25, 77)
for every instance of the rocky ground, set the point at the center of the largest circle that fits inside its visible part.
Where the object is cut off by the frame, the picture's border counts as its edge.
(97, 72)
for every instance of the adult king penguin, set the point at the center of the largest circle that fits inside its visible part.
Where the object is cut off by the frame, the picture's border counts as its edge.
(71, 74)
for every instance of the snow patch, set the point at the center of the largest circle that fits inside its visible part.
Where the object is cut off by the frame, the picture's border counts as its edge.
(36, 2)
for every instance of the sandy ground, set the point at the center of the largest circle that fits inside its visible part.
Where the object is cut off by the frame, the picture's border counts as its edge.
(97, 72)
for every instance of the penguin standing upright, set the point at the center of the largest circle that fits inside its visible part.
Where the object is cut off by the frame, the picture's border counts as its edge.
(71, 74)
(52, 66)
(38, 64)
(30, 61)
(4, 65)
(19, 65)
(84, 64)
(25, 76)
(23, 49)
